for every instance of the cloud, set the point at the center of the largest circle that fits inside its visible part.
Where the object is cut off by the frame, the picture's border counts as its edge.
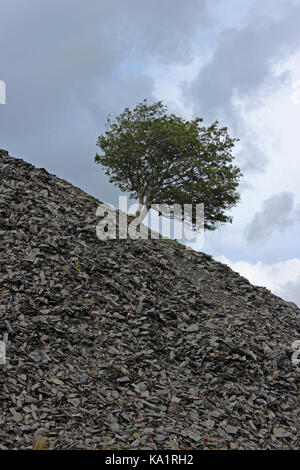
(291, 291)
(165, 30)
(67, 65)
(54, 55)
(61, 63)
(242, 68)
(283, 278)
(278, 213)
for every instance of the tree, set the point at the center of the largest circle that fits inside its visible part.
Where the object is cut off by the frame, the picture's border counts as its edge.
(163, 159)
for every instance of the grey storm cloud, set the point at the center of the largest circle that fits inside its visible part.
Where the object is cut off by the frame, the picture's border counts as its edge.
(241, 66)
(60, 61)
(278, 212)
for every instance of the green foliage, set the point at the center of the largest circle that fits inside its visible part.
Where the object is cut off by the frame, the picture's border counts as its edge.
(163, 159)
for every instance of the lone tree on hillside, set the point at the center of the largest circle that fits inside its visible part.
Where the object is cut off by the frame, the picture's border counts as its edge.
(163, 159)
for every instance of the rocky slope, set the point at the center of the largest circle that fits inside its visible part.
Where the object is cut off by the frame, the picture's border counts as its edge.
(130, 344)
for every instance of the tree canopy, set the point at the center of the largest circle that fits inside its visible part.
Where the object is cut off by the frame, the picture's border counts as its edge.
(163, 159)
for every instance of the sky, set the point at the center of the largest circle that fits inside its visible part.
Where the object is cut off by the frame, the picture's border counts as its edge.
(65, 65)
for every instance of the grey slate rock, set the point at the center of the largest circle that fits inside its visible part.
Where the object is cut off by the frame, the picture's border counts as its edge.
(132, 344)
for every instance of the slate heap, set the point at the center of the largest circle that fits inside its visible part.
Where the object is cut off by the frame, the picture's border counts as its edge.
(132, 344)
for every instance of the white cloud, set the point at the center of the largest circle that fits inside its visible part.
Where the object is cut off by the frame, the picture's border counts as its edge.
(242, 68)
(278, 213)
(275, 126)
(282, 278)
(291, 291)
